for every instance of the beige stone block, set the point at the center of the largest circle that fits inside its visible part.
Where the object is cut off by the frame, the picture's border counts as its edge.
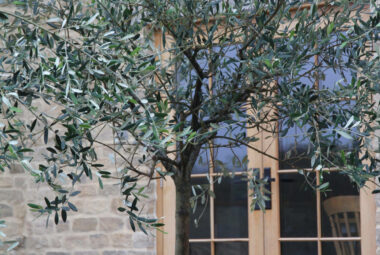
(140, 253)
(57, 253)
(110, 189)
(86, 253)
(87, 190)
(110, 224)
(63, 227)
(121, 240)
(99, 240)
(6, 182)
(55, 242)
(16, 169)
(84, 224)
(11, 196)
(116, 203)
(37, 226)
(91, 205)
(5, 211)
(20, 182)
(140, 240)
(37, 243)
(14, 228)
(19, 211)
(77, 241)
(114, 253)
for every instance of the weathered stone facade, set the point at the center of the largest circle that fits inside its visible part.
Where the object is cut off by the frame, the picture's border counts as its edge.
(97, 229)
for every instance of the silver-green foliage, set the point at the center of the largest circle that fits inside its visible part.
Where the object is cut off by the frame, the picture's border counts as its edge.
(98, 64)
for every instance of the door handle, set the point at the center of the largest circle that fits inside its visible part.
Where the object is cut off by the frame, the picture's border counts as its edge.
(268, 187)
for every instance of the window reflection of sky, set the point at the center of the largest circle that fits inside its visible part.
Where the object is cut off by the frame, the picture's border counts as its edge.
(294, 146)
(231, 156)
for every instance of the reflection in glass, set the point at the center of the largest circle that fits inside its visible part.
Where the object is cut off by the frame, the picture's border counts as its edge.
(298, 213)
(340, 213)
(201, 214)
(200, 248)
(225, 63)
(231, 248)
(299, 248)
(231, 202)
(202, 165)
(338, 75)
(230, 157)
(342, 247)
(294, 147)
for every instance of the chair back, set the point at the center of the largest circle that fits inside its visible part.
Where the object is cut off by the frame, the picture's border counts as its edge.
(344, 217)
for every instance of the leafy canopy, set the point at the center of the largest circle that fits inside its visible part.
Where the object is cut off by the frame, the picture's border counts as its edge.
(100, 65)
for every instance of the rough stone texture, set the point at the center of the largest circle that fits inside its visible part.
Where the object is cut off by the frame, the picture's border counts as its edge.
(5, 211)
(114, 253)
(85, 224)
(111, 224)
(96, 229)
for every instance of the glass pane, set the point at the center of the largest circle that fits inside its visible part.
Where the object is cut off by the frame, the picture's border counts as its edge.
(231, 202)
(200, 248)
(298, 211)
(332, 143)
(231, 248)
(294, 147)
(338, 248)
(299, 248)
(340, 75)
(202, 212)
(225, 63)
(202, 165)
(230, 157)
(340, 207)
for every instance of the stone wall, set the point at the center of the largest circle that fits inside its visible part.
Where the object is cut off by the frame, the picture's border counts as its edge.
(97, 229)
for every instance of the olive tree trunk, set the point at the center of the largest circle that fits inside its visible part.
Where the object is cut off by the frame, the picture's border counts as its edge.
(183, 210)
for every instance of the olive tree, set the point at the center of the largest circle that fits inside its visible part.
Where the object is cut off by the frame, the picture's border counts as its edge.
(142, 68)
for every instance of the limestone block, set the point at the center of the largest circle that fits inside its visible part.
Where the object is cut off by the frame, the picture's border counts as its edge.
(77, 241)
(85, 224)
(11, 196)
(110, 224)
(5, 211)
(121, 240)
(140, 240)
(114, 253)
(86, 253)
(6, 182)
(99, 240)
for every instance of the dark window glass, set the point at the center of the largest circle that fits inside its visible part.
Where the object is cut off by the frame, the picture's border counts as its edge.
(200, 218)
(231, 202)
(299, 248)
(340, 207)
(200, 248)
(337, 248)
(298, 213)
(231, 248)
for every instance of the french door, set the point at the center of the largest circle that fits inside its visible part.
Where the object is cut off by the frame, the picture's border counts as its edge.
(298, 219)
(304, 221)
